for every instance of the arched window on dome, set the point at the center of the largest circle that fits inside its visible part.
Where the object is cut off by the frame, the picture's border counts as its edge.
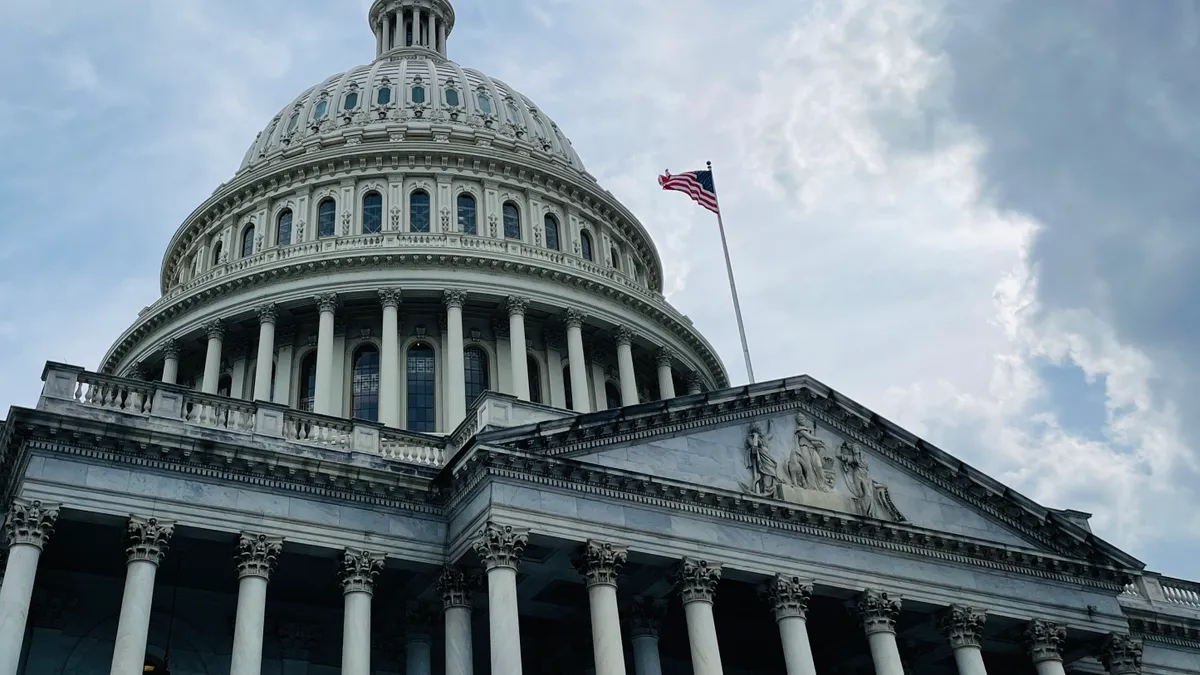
(467, 223)
(248, 241)
(418, 94)
(418, 211)
(351, 101)
(552, 242)
(327, 218)
(283, 228)
(217, 251)
(475, 366)
(612, 396)
(535, 380)
(306, 395)
(364, 383)
(321, 110)
(293, 122)
(384, 95)
(452, 98)
(421, 389)
(372, 213)
(514, 113)
(585, 244)
(485, 103)
(512, 221)
(616, 258)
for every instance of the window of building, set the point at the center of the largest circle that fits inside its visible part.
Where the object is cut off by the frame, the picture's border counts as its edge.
(308, 383)
(351, 101)
(612, 396)
(485, 103)
(384, 96)
(514, 114)
(585, 245)
(452, 98)
(552, 233)
(535, 380)
(248, 241)
(364, 383)
(293, 122)
(418, 211)
(326, 218)
(372, 213)
(512, 221)
(475, 365)
(421, 389)
(283, 228)
(321, 110)
(567, 387)
(216, 254)
(616, 258)
(418, 94)
(467, 223)
(225, 385)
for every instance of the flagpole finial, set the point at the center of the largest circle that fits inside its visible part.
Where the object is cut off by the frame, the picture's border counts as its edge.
(709, 165)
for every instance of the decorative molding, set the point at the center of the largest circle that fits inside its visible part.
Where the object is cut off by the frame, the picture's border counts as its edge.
(501, 329)
(600, 562)
(645, 617)
(455, 586)
(1121, 655)
(878, 611)
(358, 570)
(962, 625)
(696, 580)
(789, 596)
(30, 523)
(455, 298)
(500, 545)
(257, 555)
(1044, 640)
(147, 539)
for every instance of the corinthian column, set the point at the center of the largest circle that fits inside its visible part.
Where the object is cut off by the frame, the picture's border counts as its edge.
(418, 641)
(879, 612)
(516, 343)
(1121, 655)
(358, 572)
(389, 359)
(696, 580)
(170, 373)
(212, 358)
(645, 620)
(789, 598)
(323, 396)
(600, 563)
(666, 379)
(963, 626)
(580, 399)
(500, 548)
(624, 339)
(456, 386)
(256, 556)
(264, 370)
(1045, 641)
(147, 540)
(455, 587)
(27, 527)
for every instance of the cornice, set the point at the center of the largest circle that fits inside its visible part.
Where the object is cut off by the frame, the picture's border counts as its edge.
(1154, 627)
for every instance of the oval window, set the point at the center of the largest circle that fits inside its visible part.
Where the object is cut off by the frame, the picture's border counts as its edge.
(452, 98)
(485, 104)
(418, 94)
(321, 110)
(385, 96)
(351, 101)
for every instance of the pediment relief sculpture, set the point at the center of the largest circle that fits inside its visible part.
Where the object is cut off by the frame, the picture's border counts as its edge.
(807, 473)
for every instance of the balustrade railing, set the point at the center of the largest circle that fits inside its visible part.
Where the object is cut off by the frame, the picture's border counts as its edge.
(317, 430)
(1180, 592)
(218, 412)
(393, 446)
(114, 393)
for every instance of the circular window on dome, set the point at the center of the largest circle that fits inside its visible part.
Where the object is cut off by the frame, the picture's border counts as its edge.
(452, 98)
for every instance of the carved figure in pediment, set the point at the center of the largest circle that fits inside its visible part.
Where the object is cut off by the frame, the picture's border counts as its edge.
(763, 467)
(805, 467)
(872, 497)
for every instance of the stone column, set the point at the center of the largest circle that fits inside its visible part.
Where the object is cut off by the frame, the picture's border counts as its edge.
(666, 381)
(580, 398)
(500, 548)
(358, 572)
(1121, 655)
(442, 37)
(256, 556)
(27, 527)
(418, 642)
(624, 339)
(285, 339)
(455, 587)
(789, 598)
(878, 612)
(389, 359)
(696, 580)
(516, 342)
(170, 373)
(212, 359)
(1045, 640)
(645, 619)
(323, 396)
(456, 390)
(600, 563)
(429, 33)
(554, 366)
(695, 384)
(264, 371)
(147, 540)
(963, 627)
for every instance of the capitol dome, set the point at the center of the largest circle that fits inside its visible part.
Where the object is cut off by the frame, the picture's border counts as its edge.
(404, 236)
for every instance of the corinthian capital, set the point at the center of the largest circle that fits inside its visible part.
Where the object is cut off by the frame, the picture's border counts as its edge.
(574, 318)
(963, 625)
(664, 357)
(646, 616)
(30, 523)
(1045, 640)
(878, 611)
(455, 587)
(517, 305)
(789, 596)
(326, 302)
(147, 539)
(696, 580)
(389, 297)
(267, 313)
(622, 336)
(1122, 655)
(501, 545)
(256, 555)
(215, 329)
(455, 298)
(600, 562)
(358, 571)
(170, 349)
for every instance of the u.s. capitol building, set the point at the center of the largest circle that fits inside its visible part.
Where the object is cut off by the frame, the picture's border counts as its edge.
(412, 401)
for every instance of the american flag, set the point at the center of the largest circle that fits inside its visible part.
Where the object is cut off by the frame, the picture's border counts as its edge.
(696, 184)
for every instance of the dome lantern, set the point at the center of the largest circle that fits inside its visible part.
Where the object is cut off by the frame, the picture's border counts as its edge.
(411, 24)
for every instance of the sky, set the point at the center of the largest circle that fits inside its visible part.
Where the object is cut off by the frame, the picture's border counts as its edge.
(975, 217)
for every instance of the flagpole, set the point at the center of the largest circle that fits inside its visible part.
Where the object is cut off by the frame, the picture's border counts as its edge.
(737, 307)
